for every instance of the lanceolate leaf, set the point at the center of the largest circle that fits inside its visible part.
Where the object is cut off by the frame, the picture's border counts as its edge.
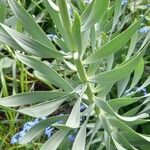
(65, 31)
(98, 10)
(76, 31)
(38, 128)
(80, 140)
(106, 108)
(3, 10)
(44, 109)
(20, 41)
(121, 140)
(137, 73)
(54, 142)
(122, 102)
(47, 71)
(54, 13)
(128, 133)
(29, 98)
(29, 24)
(114, 45)
(117, 13)
(86, 12)
(74, 118)
(66, 21)
(120, 72)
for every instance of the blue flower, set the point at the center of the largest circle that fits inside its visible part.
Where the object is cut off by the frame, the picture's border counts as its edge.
(148, 5)
(88, 1)
(144, 91)
(52, 36)
(82, 107)
(49, 131)
(27, 126)
(145, 29)
(71, 137)
(15, 138)
(124, 2)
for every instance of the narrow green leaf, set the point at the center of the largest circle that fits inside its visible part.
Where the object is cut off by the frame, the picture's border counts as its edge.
(121, 85)
(80, 140)
(98, 10)
(76, 31)
(74, 118)
(129, 133)
(38, 128)
(66, 23)
(53, 10)
(122, 102)
(6, 38)
(114, 45)
(50, 74)
(85, 14)
(121, 140)
(137, 73)
(29, 98)
(54, 142)
(61, 44)
(118, 145)
(133, 42)
(29, 24)
(117, 13)
(44, 109)
(4, 65)
(106, 108)
(3, 10)
(120, 72)
(24, 43)
(64, 13)
(95, 130)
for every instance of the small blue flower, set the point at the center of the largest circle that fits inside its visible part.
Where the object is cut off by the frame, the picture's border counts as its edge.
(124, 2)
(144, 91)
(82, 107)
(27, 126)
(49, 131)
(145, 29)
(15, 138)
(71, 137)
(148, 5)
(52, 36)
(88, 1)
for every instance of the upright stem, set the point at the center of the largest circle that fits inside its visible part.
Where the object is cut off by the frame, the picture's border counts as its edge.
(83, 77)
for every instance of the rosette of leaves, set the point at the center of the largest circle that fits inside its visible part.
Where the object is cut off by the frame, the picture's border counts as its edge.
(96, 60)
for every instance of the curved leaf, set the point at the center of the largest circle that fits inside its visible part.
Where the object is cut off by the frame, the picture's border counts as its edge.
(29, 24)
(46, 71)
(98, 10)
(114, 45)
(21, 42)
(29, 98)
